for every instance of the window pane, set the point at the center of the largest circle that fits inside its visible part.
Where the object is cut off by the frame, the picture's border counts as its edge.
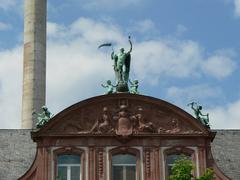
(62, 173)
(75, 173)
(124, 167)
(69, 159)
(123, 159)
(130, 173)
(117, 173)
(170, 161)
(172, 158)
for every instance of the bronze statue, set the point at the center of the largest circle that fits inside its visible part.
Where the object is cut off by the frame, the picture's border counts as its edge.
(43, 117)
(134, 86)
(110, 87)
(204, 119)
(122, 64)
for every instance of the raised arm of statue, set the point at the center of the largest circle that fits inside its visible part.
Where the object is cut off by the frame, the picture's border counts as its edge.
(192, 105)
(104, 86)
(130, 42)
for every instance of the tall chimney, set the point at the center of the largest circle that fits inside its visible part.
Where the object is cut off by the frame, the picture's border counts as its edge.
(34, 67)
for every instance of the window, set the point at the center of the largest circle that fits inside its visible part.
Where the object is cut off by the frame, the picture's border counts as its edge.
(175, 153)
(68, 167)
(123, 167)
(170, 161)
(68, 163)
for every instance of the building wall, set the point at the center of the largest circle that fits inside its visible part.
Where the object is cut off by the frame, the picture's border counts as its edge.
(17, 152)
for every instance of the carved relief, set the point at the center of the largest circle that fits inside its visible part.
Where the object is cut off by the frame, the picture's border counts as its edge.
(100, 163)
(126, 120)
(103, 124)
(124, 124)
(140, 122)
(174, 126)
(148, 163)
(124, 117)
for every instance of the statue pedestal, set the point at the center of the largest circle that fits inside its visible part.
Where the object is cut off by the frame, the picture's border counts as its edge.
(122, 87)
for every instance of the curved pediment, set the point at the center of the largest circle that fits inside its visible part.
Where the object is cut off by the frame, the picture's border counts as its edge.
(122, 114)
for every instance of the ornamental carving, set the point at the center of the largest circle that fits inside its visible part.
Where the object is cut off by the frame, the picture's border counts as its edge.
(124, 115)
(124, 123)
(100, 163)
(141, 124)
(103, 123)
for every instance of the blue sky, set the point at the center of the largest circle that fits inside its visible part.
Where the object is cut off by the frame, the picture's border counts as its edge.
(182, 51)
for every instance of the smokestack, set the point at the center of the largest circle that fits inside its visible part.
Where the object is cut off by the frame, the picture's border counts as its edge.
(34, 67)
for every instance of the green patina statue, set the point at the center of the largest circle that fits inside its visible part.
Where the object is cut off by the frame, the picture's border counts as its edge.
(121, 67)
(43, 117)
(110, 88)
(122, 64)
(134, 86)
(204, 119)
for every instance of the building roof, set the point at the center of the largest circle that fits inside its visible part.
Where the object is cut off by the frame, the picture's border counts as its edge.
(226, 152)
(17, 152)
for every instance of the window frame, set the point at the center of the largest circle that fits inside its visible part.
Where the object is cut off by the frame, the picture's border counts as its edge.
(178, 151)
(70, 151)
(124, 151)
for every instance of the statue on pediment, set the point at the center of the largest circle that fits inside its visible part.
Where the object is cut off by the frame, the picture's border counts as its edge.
(43, 117)
(134, 86)
(110, 87)
(121, 67)
(203, 118)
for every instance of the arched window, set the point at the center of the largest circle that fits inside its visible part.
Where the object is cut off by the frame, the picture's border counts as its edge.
(124, 164)
(69, 163)
(68, 167)
(173, 154)
(170, 160)
(124, 167)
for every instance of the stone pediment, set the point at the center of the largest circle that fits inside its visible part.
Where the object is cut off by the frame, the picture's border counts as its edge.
(124, 115)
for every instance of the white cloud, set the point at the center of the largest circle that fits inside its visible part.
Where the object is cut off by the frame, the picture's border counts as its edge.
(221, 117)
(10, 87)
(179, 59)
(219, 66)
(170, 58)
(226, 117)
(195, 93)
(53, 29)
(4, 26)
(76, 68)
(237, 7)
